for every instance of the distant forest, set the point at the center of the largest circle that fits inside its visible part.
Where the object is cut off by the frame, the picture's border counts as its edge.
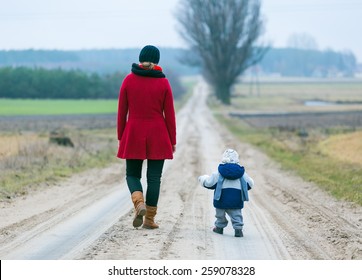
(25, 82)
(74, 74)
(94, 61)
(309, 63)
(282, 61)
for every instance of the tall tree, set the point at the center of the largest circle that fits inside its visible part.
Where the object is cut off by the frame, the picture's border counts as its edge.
(223, 34)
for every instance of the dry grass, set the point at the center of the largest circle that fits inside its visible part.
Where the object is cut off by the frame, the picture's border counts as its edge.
(341, 179)
(34, 160)
(11, 144)
(346, 148)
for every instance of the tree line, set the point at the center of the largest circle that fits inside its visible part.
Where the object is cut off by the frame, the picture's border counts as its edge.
(101, 61)
(15, 57)
(284, 61)
(308, 63)
(23, 82)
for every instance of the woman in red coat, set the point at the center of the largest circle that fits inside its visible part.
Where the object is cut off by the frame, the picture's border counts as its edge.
(146, 130)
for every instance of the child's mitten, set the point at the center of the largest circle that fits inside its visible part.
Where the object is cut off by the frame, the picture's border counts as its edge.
(202, 179)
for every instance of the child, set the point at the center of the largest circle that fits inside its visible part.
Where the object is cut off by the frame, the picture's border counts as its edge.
(231, 185)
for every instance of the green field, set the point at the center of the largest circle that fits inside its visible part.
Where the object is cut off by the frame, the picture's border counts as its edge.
(12, 107)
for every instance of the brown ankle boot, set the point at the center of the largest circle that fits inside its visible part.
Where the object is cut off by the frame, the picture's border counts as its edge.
(140, 208)
(149, 222)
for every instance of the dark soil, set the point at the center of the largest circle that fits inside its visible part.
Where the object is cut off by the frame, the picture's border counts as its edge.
(290, 121)
(55, 122)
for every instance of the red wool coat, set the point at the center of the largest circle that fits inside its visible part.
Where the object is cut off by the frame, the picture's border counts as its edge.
(146, 124)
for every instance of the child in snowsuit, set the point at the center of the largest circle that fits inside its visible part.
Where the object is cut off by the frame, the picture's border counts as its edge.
(231, 185)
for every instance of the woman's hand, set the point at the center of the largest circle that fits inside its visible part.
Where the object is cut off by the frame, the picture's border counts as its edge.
(173, 148)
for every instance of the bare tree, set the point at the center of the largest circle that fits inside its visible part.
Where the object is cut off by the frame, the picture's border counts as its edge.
(223, 34)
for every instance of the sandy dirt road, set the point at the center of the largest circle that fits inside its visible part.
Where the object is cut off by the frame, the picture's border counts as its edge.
(90, 215)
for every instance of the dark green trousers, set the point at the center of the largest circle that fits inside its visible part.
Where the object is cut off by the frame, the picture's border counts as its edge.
(154, 173)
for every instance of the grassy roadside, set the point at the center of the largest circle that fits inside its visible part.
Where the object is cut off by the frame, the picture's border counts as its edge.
(306, 157)
(38, 161)
(324, 154)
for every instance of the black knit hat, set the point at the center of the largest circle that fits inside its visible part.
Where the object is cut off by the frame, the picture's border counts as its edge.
(150, 54)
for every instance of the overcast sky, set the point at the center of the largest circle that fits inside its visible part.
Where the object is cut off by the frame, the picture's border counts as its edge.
(86, 24)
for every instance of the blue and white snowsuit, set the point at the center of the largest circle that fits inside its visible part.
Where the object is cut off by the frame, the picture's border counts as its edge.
(231, 184)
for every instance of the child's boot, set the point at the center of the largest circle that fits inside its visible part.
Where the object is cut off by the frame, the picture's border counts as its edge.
(218, 230)
(238, 233)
